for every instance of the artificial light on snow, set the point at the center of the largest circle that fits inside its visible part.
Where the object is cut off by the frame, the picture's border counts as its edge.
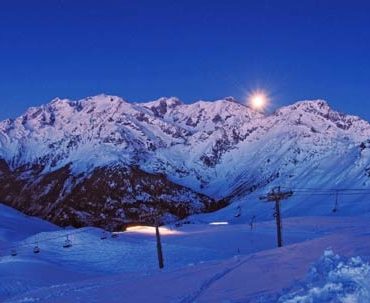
(258, 100)
(219, 223)
(150, 230)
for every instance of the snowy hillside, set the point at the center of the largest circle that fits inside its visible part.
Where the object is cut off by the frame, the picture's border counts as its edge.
(203, 263)
(104, 161)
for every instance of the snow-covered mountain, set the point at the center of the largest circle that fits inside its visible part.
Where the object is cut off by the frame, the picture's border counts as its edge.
(104, 161)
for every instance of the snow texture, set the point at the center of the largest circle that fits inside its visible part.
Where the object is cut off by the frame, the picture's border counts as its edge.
(333, 279)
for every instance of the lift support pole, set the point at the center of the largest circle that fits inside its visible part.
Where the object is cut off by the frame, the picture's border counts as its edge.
(159, 247)
(276, 195)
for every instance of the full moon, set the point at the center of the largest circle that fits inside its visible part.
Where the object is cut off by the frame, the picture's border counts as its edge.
(258, 100)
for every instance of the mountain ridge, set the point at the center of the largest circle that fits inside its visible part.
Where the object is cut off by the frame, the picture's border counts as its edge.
(216, 152)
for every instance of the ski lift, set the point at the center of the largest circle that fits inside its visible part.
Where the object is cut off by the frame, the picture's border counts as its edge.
(67, 243)
(13, 252)
(103, 235)
(36, 249)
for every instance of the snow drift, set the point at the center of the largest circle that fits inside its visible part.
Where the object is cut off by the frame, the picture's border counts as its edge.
(333, 279)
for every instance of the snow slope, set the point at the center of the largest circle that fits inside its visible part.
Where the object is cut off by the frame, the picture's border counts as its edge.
(203, 263)
(16, 226)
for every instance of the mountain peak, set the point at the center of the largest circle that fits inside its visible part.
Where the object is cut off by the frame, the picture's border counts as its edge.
(161, 105)
(58, 100)
(231, 99)
(312, 106)
(306, 107)
(169, 101)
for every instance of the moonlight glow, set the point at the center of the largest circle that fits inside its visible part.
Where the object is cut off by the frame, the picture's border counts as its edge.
(258, 100)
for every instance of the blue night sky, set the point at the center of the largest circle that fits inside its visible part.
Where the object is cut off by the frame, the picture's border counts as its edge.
(142, 50)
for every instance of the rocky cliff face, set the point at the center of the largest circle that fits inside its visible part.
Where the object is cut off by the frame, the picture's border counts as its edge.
(109, 197)
(103, 161)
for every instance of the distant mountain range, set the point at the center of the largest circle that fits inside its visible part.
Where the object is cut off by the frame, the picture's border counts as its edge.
(104, 161)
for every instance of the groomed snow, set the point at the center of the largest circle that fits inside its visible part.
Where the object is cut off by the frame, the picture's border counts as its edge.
(203, 262)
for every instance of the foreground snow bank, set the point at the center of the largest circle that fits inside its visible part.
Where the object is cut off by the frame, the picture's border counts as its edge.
(333, 279)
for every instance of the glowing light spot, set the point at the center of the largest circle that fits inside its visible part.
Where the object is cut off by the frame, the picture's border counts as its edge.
(258, 100)
(219, 223)
(150, 230)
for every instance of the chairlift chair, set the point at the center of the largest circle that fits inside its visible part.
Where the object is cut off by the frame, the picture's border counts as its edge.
(67, 243)
(36, 249)
(103, 236)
